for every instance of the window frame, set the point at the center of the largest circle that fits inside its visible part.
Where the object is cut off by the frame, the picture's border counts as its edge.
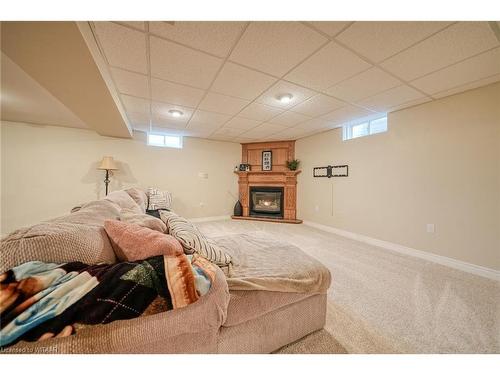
(164, 135)
(347, 128)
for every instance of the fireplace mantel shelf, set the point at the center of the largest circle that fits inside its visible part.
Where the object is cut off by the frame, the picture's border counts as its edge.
(290, 173)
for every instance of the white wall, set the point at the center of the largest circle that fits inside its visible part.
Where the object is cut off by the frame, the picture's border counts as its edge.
(439, 163)
(47, 170)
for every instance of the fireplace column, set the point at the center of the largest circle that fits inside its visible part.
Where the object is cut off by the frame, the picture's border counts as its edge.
(290, 196)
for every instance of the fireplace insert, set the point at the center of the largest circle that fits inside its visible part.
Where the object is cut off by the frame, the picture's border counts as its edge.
(266, 201)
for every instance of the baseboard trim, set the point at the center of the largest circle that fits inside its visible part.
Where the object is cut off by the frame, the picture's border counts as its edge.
(209, 218)
(445, 261)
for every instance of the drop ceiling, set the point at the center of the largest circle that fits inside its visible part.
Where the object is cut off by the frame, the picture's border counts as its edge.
(225, 77)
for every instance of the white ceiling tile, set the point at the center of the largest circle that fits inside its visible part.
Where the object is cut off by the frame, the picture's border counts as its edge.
(139, 121)
(470, 70)
(332, 64)
(161, 112)
(180, 64)
(140, 25)
(137, 105)
(363, 85)
(331, 28)
(221, 137)
(449, 46)
(204, 118)
(229, 132)
(314, 124)
(396, 96)
(378, 40)
(222, 104)
(130, 83)
(242, 123)
(162, 109)
(346, 114)
(170, 123)
(198, 133)
(468, 86)
(318, 105)
(275, 47)
(260, 112)
(241, 82)
(201, 127)
(411, 103)
(289, 118)
(212, 37)
(123, 47)
(170, 92)
(157, 128)
(264, 130)
(270, 97)
(293, 133)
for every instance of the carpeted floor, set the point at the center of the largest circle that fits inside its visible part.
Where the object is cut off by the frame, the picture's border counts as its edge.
(385, 302)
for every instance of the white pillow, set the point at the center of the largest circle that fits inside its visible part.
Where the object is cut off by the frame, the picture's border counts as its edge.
(159, 200)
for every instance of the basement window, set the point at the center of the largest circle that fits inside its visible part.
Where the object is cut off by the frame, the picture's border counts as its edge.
(369, 127)
(164, 140)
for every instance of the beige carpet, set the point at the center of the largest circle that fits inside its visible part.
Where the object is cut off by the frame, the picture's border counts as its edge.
(384, 302)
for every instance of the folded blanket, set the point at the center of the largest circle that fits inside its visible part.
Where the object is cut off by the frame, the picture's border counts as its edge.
(263, 263)
(43, 300)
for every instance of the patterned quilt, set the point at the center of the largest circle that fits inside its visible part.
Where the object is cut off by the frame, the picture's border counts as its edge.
(40, 300)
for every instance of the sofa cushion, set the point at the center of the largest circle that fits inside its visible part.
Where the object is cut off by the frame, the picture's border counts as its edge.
(192, 240)
(139, 196)
(143, 220)
(247, 305)
(132, 242)
(123, 200)
(56, 242)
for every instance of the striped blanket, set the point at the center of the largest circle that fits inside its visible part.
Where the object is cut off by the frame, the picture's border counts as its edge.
(40, 300)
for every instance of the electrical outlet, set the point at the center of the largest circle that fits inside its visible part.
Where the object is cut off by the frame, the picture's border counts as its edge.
(203, 175)
(202, 204)
(431, 228)
(316, 208)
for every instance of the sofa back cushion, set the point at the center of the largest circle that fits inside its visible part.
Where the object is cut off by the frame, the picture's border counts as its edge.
(79, 236)
(92, 213)
(192, 240)
(56, 242)
(133, 242)
(139, 196)
(123, 200)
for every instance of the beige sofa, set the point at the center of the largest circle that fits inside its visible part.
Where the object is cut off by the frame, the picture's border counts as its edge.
(222, 321)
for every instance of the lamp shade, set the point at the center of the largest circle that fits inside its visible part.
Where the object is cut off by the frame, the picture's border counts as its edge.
(107, 163)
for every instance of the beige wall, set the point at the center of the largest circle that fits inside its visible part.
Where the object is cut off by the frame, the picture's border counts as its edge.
(439, 163)
(48, 170)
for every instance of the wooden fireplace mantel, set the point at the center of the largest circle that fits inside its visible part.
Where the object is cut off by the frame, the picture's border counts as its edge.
(280, 176)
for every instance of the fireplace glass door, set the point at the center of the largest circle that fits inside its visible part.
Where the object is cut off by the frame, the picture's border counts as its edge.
(266, 201)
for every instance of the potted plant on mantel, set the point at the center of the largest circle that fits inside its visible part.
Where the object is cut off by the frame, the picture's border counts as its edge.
(293, 164)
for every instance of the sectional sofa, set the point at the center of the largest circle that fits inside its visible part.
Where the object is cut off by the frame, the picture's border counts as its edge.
(222, 321)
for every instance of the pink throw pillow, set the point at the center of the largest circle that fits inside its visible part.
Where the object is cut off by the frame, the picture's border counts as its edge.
(133, 242)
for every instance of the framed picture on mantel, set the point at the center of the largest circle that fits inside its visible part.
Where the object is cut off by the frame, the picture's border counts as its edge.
(267, 160)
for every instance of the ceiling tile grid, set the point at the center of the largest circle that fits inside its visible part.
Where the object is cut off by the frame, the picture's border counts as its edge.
(227, 78)
(458, 42)
(275, 47)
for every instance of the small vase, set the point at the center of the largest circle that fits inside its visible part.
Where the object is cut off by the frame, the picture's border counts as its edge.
(238, 209)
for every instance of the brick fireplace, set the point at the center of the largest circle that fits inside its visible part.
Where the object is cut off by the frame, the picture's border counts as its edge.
(268, 195)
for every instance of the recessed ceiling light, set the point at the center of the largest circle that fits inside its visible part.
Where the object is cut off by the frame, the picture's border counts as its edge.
(175, 113)
(285, 98)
